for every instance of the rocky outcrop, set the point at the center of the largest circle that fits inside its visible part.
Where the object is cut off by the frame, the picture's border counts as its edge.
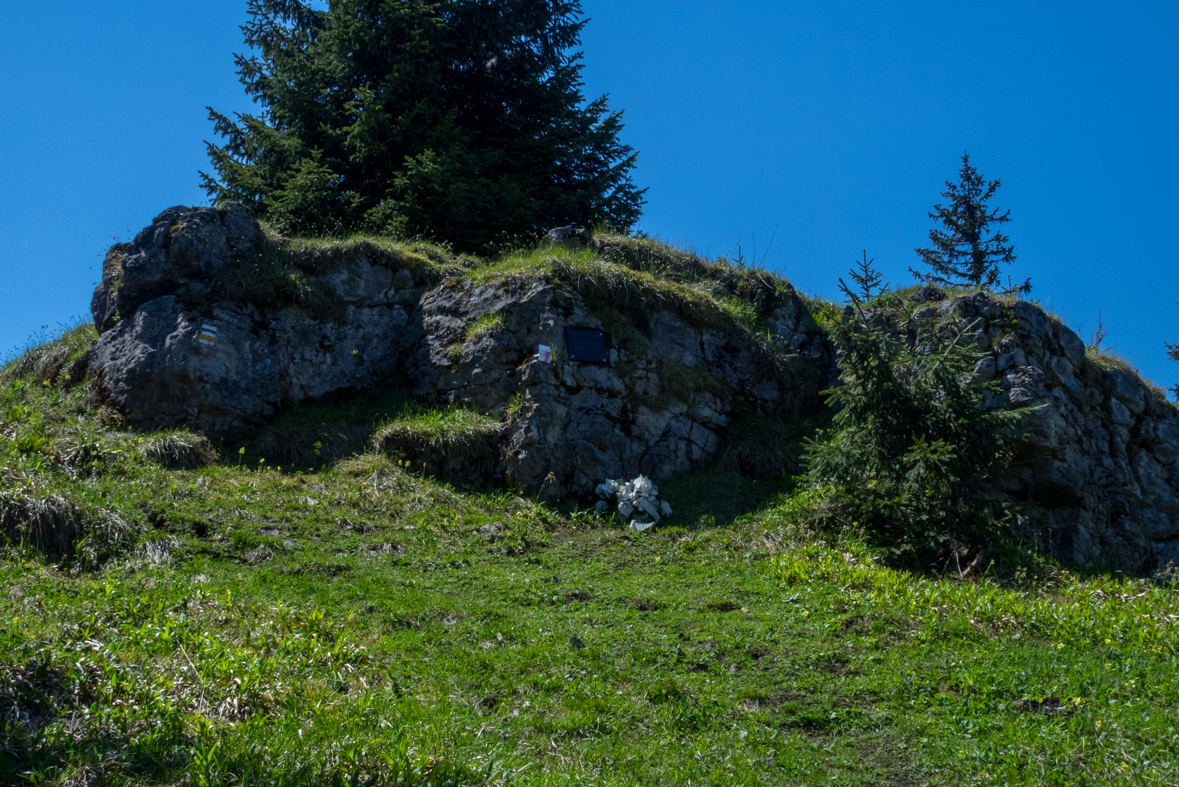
(167, 356)
(1099, 467)
(185, 339)
(660, 406)
(172, 352)
(181, 245)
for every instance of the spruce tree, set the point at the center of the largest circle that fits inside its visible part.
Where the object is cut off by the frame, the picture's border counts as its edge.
(913, 453)
(968, 249)
(1173, 354)
(457, 120)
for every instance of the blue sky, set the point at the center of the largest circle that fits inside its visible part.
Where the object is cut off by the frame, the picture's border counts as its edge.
(829, 127)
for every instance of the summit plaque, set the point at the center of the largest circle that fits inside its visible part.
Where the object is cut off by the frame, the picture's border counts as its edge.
(586, 345)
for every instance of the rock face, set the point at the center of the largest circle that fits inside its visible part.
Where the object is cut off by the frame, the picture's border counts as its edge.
(1100, 466)
(181, 244)
(1099, 470)
(164, 358)
(659, 407)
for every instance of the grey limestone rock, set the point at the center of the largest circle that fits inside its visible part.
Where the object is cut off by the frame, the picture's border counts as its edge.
(164, 362)
(1098, 469)
(659, 408)
(181, 244)
(570, 237)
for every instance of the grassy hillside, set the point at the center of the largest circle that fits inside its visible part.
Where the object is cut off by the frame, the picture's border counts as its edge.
(295, 607)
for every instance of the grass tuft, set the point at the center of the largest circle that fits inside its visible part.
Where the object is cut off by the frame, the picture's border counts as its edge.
(429, 262)
(685, 382)
(453, 444)
(59, 527)
(484, 324)
(1103, 358)
(179, 450)
(62, 361)
(271, 283)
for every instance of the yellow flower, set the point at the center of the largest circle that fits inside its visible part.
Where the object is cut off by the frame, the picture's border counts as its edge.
(241, 450)
(1108, 641)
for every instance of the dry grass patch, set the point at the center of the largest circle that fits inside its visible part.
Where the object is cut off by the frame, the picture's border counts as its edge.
(62, 361)
(60, 527)
(428, 262)
(180, 450)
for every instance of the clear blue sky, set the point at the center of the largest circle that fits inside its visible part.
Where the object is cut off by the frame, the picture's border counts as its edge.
(833, 123)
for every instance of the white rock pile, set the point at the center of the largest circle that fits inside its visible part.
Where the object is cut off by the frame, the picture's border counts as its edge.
(639, 497)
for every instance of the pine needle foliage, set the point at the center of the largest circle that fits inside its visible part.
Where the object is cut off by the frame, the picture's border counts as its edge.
(1173, 354)
(912, 451)
(455, 120)
(969, 248)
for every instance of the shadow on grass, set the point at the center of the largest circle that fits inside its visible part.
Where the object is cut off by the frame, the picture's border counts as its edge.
(756, 468)
(309, 435)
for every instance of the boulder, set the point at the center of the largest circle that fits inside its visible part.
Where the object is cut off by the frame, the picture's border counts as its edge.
(569, 237)
(165, 357)
(180, 245)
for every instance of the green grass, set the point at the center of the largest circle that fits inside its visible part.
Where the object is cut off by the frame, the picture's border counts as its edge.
(176, 614)
(635, 294)
(312, 434)
(60, 361)
(355, 622)
(453, 443)
(428, 262)
(440, 424)
(484, 324)
(283, 275)
(270, 283)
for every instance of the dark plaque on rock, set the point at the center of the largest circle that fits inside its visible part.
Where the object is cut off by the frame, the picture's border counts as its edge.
(586, 345)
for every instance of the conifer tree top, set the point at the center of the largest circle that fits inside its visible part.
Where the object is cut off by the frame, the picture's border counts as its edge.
(968, 248)
(457, 120)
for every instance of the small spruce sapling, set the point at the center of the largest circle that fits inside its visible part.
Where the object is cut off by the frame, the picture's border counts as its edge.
(969, 247)
(1173, 354)
(913, 453)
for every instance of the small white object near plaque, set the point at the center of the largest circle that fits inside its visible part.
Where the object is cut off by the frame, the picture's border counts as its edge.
(546, 354)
